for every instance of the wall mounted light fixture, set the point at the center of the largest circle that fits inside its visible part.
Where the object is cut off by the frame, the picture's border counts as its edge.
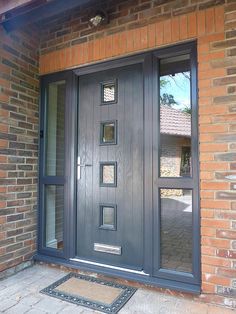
(98, 18)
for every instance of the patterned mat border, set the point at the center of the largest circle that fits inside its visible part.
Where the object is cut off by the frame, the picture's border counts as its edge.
(113, 308)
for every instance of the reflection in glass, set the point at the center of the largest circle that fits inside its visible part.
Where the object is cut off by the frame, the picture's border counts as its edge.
(176, 229)
(108, 92)
(54, 211)
(108, 217)
(175, 117)
(55, 130)
(108, 174)
(108, 132)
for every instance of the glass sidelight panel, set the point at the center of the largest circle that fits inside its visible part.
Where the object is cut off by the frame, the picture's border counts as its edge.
(176, 203)
(56, 138)
(175, 117)
(55, 129)
(54, 213)
(176, 229)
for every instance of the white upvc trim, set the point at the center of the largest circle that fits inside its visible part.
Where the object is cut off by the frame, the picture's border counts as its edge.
(109, 266)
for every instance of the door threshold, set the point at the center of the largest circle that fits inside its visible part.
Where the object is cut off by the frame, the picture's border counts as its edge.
(109, 266)
(122, 273)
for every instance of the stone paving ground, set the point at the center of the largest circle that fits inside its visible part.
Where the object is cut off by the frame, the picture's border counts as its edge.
(20, 294)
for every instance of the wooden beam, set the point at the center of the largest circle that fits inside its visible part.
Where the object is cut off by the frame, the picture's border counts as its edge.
(45, 11)
(8, 5)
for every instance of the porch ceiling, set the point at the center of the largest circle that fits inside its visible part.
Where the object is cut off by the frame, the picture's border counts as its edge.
(18, 13)
(8, 5)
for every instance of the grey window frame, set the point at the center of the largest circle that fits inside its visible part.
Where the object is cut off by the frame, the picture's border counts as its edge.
(107, 163)
(103, 84)
(68, 180)
(102, 123)
(190, 183)
(107, 227)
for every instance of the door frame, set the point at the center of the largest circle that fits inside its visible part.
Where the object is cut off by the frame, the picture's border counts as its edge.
(148, 59)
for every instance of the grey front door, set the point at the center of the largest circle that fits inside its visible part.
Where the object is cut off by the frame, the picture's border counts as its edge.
(110, 167)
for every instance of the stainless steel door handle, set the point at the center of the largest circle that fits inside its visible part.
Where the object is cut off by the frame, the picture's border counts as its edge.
(79, 165)
(85, 165)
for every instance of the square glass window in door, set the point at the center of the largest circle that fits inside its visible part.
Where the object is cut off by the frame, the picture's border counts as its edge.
(109, 92)
(108, 174)
(108, 133)
(107, 217)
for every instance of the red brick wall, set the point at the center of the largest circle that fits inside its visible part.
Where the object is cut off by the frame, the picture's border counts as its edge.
(135, 25)
(72, 28)
(141, 25)
(217, 155)
(18, 146)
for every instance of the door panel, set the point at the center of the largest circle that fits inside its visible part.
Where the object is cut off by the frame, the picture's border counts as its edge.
(100, 194)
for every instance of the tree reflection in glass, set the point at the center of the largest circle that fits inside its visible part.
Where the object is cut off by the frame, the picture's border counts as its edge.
(175, 117)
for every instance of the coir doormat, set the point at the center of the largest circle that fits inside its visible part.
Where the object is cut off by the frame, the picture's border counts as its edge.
(97, 294)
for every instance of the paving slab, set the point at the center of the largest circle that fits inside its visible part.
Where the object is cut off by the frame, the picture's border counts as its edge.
(17, 309)
(20, 294)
